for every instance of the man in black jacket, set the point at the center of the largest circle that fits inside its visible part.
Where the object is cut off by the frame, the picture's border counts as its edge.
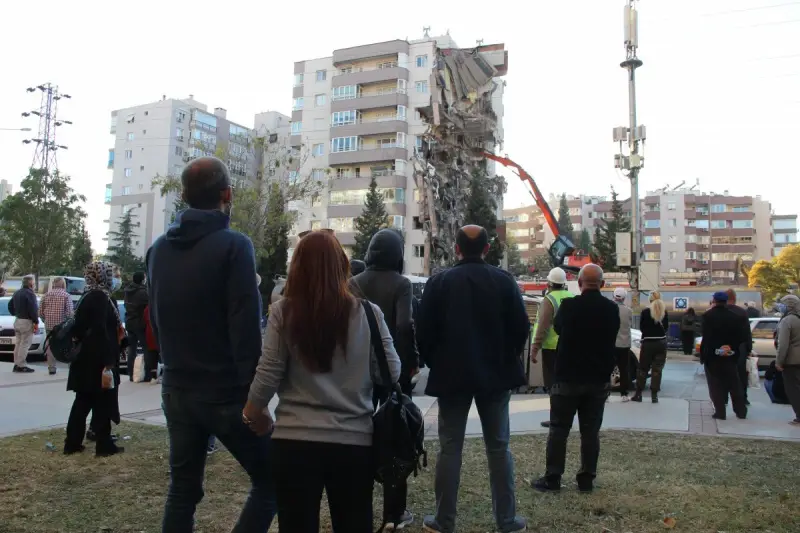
(472, 330)
(723, 338)
(135, 302)
(587, 326)
(746, 348)
(210, 345)
(383, 284)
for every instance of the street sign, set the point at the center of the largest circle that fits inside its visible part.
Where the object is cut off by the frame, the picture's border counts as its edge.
(680, 303)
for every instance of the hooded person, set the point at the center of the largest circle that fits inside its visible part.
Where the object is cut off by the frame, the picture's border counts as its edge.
(357, 267)
(622, 346)
(135, 303)
(788, 357)
(383, 284)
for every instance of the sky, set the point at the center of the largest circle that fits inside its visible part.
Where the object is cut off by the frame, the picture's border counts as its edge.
(719, 91)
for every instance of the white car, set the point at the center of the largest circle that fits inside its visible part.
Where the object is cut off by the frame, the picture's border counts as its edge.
(763, 330)
(8, 337)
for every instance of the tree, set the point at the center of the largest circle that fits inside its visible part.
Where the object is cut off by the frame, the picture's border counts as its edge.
(275, 243)
(565, 226)
(121, 251)
(481, 209)
(515, 263)
(373, 218)
(605, 234)
(39, 223)
(541, 264)
(585, 241)
(81, 254)
(770, 278)
(788, 260)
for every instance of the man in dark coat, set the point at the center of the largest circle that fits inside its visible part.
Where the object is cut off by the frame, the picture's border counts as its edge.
(746, 348)
(723, 338)
(383, 284)
(472, 329)
(135, 302)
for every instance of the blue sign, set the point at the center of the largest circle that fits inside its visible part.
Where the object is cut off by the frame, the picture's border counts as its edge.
(680, 303)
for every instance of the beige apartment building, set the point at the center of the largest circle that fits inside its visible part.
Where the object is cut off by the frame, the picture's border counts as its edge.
(355, 113)
(526, 225)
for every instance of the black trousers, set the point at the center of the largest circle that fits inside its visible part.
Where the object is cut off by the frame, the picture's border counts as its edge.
(687, 340)
(741, 369)
(395, 499)
(589, 402)
(548, 367)
(652, 358)
(100, 405)
(722, 376)
(623, 356)
(304, 468)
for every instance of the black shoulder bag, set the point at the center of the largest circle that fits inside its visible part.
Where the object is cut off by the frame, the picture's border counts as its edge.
(398, 426)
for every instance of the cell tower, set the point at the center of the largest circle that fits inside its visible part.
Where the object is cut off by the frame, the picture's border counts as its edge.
(46, 147)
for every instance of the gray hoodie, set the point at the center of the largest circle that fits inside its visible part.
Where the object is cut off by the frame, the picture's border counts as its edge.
(789, 333)
(625, 325)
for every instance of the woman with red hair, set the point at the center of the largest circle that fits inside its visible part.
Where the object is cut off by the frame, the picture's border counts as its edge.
(317, 355)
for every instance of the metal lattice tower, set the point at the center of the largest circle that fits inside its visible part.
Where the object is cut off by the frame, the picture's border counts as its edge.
(46, 147)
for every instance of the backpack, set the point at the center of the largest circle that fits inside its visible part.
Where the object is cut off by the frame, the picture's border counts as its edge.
(398, 425)
(60, 340)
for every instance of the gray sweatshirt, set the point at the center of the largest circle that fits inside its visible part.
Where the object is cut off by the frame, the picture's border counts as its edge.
(625, 324)
(789, 333)
(333, 407)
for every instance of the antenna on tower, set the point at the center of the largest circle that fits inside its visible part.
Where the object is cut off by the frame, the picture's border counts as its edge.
(479, 42)
(426, 30)
(46, 146)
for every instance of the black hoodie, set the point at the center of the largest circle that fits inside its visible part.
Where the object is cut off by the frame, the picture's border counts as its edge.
(384, 285)
(135, 302)
(205, 308)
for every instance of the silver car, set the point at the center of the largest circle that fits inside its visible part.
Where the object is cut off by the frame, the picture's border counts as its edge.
(763, 331)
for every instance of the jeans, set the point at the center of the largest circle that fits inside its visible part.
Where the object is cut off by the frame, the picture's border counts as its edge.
(304, 468)
(193, 417)
(493, 412)
(589, 402)
(722, 376)
(23, 331)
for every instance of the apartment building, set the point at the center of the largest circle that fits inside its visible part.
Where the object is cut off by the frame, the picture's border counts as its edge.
(526, 225)
(6, 190)
(784, 232)
(158, 139)
(355, 113)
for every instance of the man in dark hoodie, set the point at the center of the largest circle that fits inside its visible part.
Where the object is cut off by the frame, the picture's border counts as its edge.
(210, 344)
(383, 284)
(135, 302)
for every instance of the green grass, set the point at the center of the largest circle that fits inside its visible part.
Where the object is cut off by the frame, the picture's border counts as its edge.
(707, 484)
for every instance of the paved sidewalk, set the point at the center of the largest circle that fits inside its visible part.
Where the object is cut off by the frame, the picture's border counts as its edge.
(35, 401)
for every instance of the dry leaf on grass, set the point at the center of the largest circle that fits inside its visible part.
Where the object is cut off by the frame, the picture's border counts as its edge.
(670, 522)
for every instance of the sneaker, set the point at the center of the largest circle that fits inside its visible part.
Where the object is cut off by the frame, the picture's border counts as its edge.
(625, 398)
(51, 370)
(545, 484)
(430, 525)
(406, 520)
(546, 424)
(654, 398)
(517, 526)
(23, 369)
(795, 422)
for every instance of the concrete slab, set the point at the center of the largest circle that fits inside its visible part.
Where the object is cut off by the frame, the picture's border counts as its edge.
(764, 419)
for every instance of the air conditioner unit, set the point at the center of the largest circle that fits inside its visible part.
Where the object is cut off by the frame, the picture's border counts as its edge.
(180, 138)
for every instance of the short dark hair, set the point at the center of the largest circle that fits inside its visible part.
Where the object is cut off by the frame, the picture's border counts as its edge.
(472, 246)
(138, 277)
(202, 180)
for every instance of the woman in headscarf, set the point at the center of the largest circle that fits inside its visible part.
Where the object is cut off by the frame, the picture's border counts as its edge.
(94, 376)
(654, 325)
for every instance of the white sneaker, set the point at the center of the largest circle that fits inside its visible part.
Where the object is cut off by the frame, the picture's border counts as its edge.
(626, 398)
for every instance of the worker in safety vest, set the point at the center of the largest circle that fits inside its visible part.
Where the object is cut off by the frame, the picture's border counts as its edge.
(545, 339)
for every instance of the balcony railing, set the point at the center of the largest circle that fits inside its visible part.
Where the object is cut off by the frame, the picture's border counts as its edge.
(382, 66)
(375, 120)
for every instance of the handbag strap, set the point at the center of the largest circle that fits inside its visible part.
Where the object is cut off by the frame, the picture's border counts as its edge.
(377, 343)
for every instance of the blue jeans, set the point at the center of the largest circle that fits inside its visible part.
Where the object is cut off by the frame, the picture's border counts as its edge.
(453, 414)
(191, 419)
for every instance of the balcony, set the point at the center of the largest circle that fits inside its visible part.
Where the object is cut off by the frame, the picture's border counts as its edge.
(368, 51)
(372, 126)
(107, 199)
(392, 98)
(110, 159)
(365, 76)
(352, 211)
(367, 155)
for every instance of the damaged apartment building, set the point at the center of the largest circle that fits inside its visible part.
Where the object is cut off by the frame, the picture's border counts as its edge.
(464, 119)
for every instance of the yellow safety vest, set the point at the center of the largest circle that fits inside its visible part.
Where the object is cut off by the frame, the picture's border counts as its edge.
(551, 339)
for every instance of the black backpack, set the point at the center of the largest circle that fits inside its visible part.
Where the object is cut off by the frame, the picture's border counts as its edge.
(398, 425)
(60, 339)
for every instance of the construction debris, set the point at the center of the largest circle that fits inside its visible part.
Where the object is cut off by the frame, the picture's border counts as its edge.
(462, 124)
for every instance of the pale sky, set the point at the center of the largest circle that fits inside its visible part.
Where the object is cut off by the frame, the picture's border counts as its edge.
(719, 91)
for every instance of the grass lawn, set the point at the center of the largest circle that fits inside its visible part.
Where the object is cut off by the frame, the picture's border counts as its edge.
(706, 484)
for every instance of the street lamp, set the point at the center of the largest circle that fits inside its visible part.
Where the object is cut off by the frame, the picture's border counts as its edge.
(15, 129)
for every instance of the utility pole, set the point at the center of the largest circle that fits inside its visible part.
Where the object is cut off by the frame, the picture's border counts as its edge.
(634, 134)
(46, 147)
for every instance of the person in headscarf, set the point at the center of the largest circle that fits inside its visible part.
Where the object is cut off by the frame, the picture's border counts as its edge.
(94, 376)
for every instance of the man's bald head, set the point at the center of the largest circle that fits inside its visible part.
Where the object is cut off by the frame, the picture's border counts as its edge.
(472, 241)
(590, 277)
(731, 296)
(206, 183)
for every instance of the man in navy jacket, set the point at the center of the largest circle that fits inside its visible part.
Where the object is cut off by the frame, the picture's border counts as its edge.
(205, 312)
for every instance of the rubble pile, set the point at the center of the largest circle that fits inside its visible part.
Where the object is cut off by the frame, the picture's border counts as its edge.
(462, 124)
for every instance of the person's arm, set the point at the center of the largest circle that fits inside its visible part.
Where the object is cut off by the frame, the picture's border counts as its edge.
(558, 321)
(406, 345)
(427, 328)
(271, 367)
(544, 321)
(42, 305)
(68, 309)
(12, 307)
(665, 323)
(392, 359)
(784, 334)
(521, 324)
(244, 308)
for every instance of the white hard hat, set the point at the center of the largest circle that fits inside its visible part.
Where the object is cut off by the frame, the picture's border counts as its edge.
(557, 276)
(620, 293)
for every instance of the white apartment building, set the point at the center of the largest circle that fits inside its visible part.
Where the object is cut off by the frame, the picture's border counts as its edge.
(158, 139)
(784, 232)
(6, 190)
(355, 112)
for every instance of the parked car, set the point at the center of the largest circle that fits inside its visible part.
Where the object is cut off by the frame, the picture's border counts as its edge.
(763, 330)
(8, 336)
(636, 345)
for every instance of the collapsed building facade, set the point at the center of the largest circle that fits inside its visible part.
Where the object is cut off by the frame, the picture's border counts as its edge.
(464, 119)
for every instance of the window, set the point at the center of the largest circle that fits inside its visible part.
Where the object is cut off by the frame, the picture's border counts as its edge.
(318, 150)
(402, 86)
(422, 61)
(702, 224)
(344, 144)
(401, 112)
(784, 224)
(128, 154)
(297, 127)
(298, 80)
(673, 223)
(387, 64)
(652, 256)
(400, 167)
(346, 70)
(297, 104)
(652, 224)
(316, 225)
(318, 174)
(126, 190)
(141, 168)
(418, 143)
(179, 133)
(765, 329)
(519, 232)
(178, 150)
(691, 256)
(673, 255)
(316, 200)
(130, 135)
(672, 239)
(341, 225)
(343, 118)
(419, 250)
(130, 119)
(347, 92)
(396, 221)
(523, 246)
(671, 206)
(718, 224)
(718, 208)
(740, 224)
(128, 172)
(144, 132)
(652, 239)
(319, 100)
(180, 116)
(421, 86)
(401, 139)
(322, 75)
(741, 209)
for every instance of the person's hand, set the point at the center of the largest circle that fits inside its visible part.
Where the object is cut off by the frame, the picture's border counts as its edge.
(534, 353)
(36, 328)
(779, 368)
(107, 381)
(414, 372)
(260, 420)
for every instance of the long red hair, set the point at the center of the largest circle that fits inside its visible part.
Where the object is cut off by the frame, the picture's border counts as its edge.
(318, 301)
